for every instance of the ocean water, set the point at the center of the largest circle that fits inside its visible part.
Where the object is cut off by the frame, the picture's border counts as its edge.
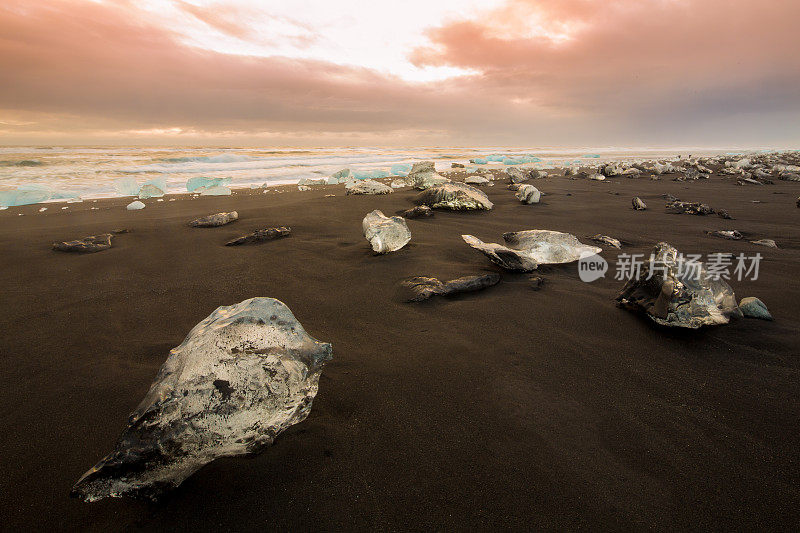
(90, 172)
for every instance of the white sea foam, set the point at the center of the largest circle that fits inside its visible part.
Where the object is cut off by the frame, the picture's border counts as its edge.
(92, 172)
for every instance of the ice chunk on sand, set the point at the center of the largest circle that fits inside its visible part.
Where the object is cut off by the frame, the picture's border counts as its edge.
(134, 206)
(240, 378)
(526, 250)
(385, 234)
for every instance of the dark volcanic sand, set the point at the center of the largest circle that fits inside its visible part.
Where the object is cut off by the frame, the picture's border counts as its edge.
(506, 408)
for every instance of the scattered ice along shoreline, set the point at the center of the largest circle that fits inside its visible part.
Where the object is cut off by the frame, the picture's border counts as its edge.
(94, 172)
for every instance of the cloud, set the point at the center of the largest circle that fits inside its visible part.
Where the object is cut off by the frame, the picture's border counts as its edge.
(223, 18)
(547, 72)
(107, 62)
(632, 54)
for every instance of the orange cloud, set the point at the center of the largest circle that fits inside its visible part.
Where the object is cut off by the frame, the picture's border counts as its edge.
(220, 17)
(566, 72)
(628, 53)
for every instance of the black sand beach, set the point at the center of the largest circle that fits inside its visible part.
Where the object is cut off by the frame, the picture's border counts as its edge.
(508, 408)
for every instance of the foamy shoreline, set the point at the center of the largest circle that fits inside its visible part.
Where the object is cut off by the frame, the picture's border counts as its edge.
(90, 173)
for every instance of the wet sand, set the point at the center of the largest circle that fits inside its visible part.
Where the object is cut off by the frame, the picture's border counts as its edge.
(508, 408)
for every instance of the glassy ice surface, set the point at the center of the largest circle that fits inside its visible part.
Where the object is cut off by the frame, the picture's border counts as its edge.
(240, 377)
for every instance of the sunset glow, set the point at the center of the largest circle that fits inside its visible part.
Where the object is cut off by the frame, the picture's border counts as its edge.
(546, 72)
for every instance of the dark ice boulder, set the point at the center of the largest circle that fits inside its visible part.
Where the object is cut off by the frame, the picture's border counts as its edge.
(421, 288)
(215, 220)
(691, 208)
(87, 245)
(455, 196)
(732, 234)
(671, 291)
(242, 376)
(752, 307)
(769, 243)
(261, 235)
(526, 250)
(608, 241)
(417, 212)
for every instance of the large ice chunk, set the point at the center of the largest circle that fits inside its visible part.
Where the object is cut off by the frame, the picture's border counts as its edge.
(242, 375)
(367, 187)
(528, 194)
(675, 291)
(526, 250)
(385, 234)
(455, 196)
(423, 175)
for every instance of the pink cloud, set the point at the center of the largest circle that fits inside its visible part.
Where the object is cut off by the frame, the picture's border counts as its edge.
(109, 61)
(636, 72)
(223, 18)
(626, 53)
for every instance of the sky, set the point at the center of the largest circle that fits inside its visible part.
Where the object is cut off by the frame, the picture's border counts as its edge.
(532, 73)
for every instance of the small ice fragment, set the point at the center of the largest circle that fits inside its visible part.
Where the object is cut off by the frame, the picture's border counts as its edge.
(133, 206)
